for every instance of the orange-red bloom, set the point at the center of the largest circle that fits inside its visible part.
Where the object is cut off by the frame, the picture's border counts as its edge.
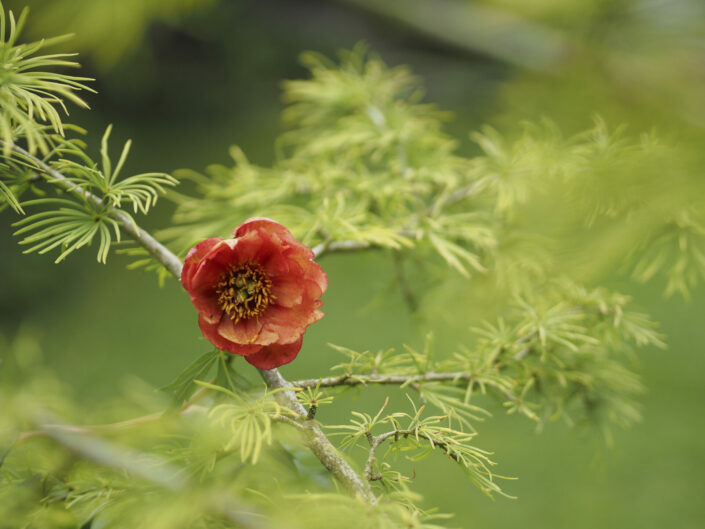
(256, 293)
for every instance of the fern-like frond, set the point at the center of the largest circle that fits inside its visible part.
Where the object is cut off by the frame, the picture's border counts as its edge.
(68, 227)
(677, 251)
(30, 94)
(7, 195)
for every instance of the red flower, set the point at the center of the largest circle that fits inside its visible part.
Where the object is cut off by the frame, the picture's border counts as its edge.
(256, 293)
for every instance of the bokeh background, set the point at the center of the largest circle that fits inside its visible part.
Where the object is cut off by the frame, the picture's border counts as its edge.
(185, 79)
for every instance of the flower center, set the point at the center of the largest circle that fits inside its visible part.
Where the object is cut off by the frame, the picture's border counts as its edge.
(244, 291)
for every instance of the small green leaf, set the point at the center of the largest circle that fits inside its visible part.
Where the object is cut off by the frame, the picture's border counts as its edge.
(9, 197)
(182, 386)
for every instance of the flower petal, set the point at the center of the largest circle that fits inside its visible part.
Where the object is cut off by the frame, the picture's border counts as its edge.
(243, 331)
(290, 322)
(288, 290)
(210, 331)
(275, 355)
(194, 257)
(249, 247)
(218, 261)
(263, 224)
(207, 306)
(316, 273)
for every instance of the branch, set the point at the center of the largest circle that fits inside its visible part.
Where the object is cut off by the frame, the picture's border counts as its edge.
(128, 225)
(316, 440)
(397, 380)
(377, 440)
(400, 380)
(406, 290)
(337, 246)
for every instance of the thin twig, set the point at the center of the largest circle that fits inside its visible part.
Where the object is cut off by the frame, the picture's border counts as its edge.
(399, 380)
(406, 291)
(526, 350)
(413, 381)
(337, 246)
(288, 420)
(376, 440)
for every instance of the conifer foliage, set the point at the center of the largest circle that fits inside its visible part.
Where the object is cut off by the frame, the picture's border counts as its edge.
(365, 165)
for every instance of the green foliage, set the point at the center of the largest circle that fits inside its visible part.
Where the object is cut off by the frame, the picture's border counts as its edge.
(142, 190)
(678, 250)
(417, 437)
(145, 262)
(312, 398)
(365, 162)
(186, 468)
(30, 93)
(565, 356)
(69, 227)
(90, 195)
(183, 386)
(249, 421)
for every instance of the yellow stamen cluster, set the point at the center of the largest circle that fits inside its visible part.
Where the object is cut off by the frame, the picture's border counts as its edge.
(244, 291)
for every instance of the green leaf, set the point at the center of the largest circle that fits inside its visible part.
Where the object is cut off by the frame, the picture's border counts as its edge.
(454, 255)
(8, 196)
(68, 228)
(183, 386)
(32, 96)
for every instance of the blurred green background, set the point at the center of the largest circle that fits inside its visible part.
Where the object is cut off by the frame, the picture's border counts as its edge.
(187, 78)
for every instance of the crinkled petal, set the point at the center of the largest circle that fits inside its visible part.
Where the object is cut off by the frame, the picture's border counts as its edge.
(194, 257)
(278, 234)
(315, 273)
(275, 355)
(290, 323)
(280, 265)
(207, 306)
(250, 247)
(263, 224)
(218, 261)
(313, 289)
